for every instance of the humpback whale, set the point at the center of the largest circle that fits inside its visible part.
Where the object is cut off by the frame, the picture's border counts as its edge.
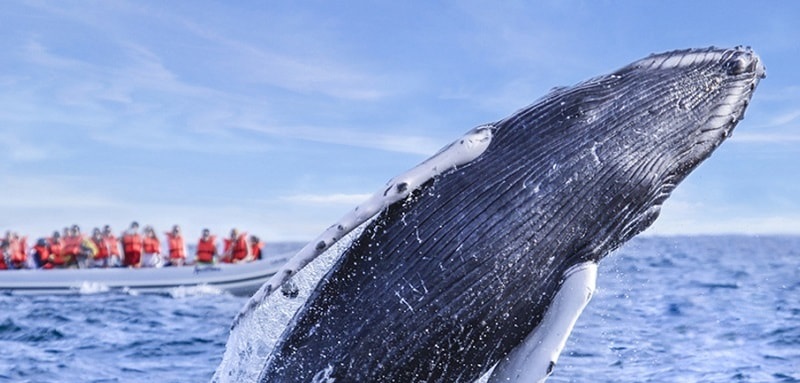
(479, 261)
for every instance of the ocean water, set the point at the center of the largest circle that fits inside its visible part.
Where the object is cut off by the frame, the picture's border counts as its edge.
(673, 309)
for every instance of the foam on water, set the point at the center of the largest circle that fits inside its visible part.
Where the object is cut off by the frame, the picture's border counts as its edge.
(188, 291)
(93, 288)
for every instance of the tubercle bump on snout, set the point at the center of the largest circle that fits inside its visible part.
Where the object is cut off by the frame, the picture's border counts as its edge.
(744, 62)
(736, 61)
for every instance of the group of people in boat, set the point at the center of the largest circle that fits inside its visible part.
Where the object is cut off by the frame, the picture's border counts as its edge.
(132, 249)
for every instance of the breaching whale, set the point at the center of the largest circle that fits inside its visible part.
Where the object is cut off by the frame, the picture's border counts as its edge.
(481, 259)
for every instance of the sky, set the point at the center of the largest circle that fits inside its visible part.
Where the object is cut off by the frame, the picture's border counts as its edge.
(279, 117)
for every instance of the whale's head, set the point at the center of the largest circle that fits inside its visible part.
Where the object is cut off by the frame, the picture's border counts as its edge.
(617, 145)
(686, 103)
(665, 114)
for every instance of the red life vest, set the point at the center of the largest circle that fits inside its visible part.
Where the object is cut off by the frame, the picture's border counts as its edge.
(151, 245)
(255, 249)
(56, 250)
(44, 253)
(132, 243)
(132, 246)
(3, 265)
(71, 246)
(237, 250)
(102, 248)
(176, 248)
(17, 250)
(111, 244)
(206, 250)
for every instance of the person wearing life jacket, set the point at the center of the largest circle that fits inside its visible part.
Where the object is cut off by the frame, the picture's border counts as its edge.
(71, 249)
(236, 248)
(56, 257)
(206, 252)
(88, 252)
(114, 258)
(4, 254)
(41, 251)
(176, 246)
(39, 254)
(256, 247)
(132, 246)
(101, 257)
(151, 249)
(14, 251)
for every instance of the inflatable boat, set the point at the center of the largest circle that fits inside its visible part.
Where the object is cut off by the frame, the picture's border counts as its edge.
(237, 279)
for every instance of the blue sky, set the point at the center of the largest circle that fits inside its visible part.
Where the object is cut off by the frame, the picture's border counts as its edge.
(279, 117)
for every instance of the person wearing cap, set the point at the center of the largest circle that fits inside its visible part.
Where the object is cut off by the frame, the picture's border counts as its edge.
(206, 249)
(40, 254)
(132, 246)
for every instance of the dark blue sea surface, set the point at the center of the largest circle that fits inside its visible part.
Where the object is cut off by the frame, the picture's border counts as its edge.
(691, 309)
(674, 309)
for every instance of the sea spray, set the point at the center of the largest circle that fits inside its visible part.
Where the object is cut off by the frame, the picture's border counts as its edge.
(251, 341)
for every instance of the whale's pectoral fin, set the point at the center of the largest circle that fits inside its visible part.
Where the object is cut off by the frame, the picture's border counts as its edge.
(535, 358)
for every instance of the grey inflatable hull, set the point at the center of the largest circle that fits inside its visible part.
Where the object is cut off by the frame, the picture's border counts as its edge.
(240, 279)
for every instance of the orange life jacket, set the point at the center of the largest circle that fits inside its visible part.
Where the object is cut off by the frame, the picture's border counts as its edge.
(176, 248)
(17, 250)
(132, 243)
(44, 253)
(56, 250)
(255, 249)
(102, 248)
(111, 244)
(151, 245)
(71, 245)
(206, 250)
(237, 250)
